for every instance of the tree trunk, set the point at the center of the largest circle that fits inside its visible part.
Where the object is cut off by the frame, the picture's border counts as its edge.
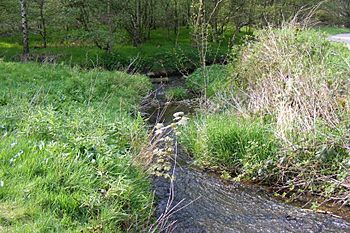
(43, 24)
(176, 18)
(24, 25)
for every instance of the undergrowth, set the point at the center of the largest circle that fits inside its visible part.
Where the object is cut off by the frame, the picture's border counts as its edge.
(292, 87)
(176, 94)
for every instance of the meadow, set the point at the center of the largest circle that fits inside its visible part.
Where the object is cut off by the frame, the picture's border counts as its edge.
(68, 140)
(164, 52)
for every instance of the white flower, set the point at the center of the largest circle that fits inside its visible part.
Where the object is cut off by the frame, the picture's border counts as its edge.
(178, 114)
(159, 126)
(183, 121)
(2, 183)
(19, 154)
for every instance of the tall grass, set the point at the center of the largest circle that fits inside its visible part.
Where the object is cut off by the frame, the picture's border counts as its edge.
(233, 144)
(296, 83)
(67, 140)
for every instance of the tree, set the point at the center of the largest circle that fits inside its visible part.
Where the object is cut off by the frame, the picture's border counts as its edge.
(42, 21)
(342, 10)
(98, 19)
(24, 26)
(136, 19)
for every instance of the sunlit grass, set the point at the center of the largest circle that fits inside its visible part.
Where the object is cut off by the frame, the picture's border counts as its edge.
(163, 51)
(6, 45)
(67, 141)
(328, 30)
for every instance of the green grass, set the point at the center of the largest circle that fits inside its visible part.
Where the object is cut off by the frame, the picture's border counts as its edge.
(328, 30)
(231, 143)
(176, 93)
(164, 51)
(66, 148)
(211, 79)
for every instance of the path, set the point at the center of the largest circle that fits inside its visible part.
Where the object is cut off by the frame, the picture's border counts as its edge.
(344, 38)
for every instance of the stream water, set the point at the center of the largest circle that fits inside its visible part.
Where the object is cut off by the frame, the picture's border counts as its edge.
(212, 205)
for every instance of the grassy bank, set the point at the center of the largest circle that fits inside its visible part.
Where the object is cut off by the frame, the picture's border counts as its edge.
(282, 118)
(329, 31)
(164, 51)
(67, 141)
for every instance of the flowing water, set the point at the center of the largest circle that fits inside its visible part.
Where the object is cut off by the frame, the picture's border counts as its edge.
(212, 205)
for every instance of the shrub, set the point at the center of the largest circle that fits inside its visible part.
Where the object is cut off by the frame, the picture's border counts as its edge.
(298, 80)
(294, 83)
(216, 78)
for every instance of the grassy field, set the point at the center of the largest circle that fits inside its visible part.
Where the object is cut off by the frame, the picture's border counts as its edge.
(66, 150)
(164, 51)
(328, 30)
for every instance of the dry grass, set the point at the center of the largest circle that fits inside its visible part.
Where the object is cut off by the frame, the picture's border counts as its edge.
(295, 80)
(298, 81)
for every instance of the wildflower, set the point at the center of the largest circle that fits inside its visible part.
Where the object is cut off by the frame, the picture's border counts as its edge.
(183, 121)
(19, 154)
(159, 126)
(168, 139)
(178, 114)
(2, 183)
(41, 145)
(159, 131)
(12, 161)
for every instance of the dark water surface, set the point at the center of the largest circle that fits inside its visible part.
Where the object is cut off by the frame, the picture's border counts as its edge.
(219, 207)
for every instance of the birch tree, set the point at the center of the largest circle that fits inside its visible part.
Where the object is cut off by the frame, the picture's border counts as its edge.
(24, 26)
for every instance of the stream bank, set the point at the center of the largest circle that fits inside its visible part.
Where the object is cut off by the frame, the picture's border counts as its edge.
(209, 204)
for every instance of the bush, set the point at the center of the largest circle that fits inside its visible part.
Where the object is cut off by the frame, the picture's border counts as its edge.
(66, 147)
(300, 82)
(215, 81)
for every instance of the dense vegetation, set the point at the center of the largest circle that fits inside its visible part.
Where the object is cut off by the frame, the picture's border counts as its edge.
(142, 35)
(67, 140)
(285, 122)
(274, 102)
